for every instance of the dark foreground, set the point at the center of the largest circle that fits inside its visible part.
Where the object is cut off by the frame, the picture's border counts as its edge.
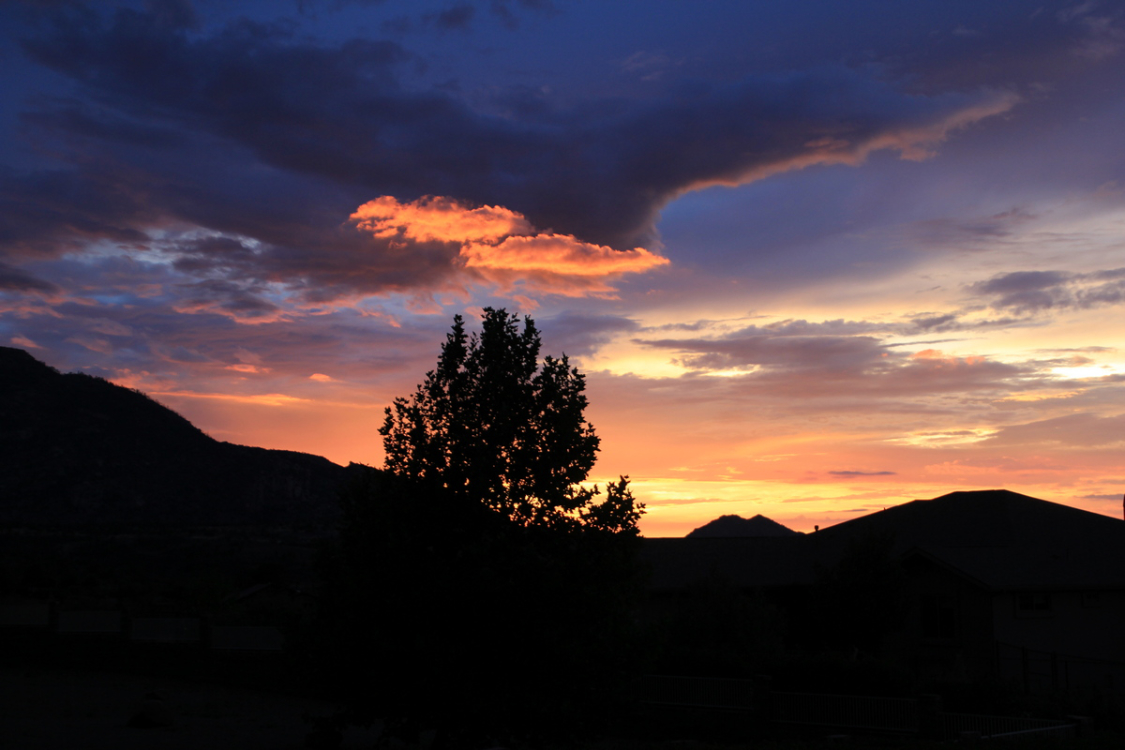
(45, 709)
(49, 709)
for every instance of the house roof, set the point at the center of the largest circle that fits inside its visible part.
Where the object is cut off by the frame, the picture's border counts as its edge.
(1000, 539)
(982, 518)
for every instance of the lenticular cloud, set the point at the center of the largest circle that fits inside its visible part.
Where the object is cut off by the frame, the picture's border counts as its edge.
(501, 247)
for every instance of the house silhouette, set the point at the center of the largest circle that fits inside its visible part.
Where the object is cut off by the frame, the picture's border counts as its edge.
(997, 585)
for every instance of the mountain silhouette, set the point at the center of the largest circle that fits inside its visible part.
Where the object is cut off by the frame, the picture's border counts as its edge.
(737, 526)
(77, 449)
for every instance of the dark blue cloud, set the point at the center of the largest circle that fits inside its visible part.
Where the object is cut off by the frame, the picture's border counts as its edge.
(579, 334)
(260, 131)
(455, 17)
(339, 113)
(18, 280)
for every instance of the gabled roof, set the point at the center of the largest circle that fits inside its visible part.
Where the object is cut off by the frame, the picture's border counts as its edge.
(982, 518)
(1004, 540)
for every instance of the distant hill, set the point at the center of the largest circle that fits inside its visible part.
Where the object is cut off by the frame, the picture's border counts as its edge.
(737, 526)
(77, 449)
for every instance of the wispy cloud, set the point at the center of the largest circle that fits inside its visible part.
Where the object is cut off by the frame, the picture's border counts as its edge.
(1035, 291)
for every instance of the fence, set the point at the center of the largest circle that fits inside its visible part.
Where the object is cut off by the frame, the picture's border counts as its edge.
(864, 713)
(953, 726)
(1045, 672)
(874, 713)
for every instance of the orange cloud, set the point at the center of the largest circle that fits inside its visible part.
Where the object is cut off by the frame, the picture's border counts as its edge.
(560, 254)
(437, 218)
(937, 358)
(260, 399)
(501, 247)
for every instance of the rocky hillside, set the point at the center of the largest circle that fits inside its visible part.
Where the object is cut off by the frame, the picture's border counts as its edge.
(76, 449)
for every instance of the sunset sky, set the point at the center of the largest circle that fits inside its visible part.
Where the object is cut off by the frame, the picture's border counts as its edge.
(815, 258)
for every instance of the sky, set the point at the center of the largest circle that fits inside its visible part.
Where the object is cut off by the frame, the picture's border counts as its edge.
(815, 258)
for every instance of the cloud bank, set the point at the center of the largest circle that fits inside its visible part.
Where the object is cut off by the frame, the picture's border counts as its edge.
(250, 130)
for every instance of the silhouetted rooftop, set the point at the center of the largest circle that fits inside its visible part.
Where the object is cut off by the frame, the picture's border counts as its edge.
(1001, 539)
(980, 518)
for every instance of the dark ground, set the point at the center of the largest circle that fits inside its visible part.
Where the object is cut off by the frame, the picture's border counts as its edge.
(53, 709)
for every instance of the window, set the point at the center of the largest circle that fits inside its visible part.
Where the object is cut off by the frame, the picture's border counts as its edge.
(939, 617)
(1033, 604)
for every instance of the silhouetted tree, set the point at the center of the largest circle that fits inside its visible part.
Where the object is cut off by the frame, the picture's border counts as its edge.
(477, 584)
(492, 425)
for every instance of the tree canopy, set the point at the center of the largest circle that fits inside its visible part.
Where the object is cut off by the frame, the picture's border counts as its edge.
(493, 425)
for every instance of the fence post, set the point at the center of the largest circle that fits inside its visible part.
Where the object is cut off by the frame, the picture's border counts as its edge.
(1083, 725)
(997, 665)
(765, 701)
(763, 692)
(929, 715)
(1026, 670)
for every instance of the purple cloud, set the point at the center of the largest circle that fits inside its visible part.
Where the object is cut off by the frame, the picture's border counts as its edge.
(16, 280)
(1025, 292)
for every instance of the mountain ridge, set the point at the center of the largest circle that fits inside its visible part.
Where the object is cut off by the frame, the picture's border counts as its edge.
(737, 526)
(76, 449)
